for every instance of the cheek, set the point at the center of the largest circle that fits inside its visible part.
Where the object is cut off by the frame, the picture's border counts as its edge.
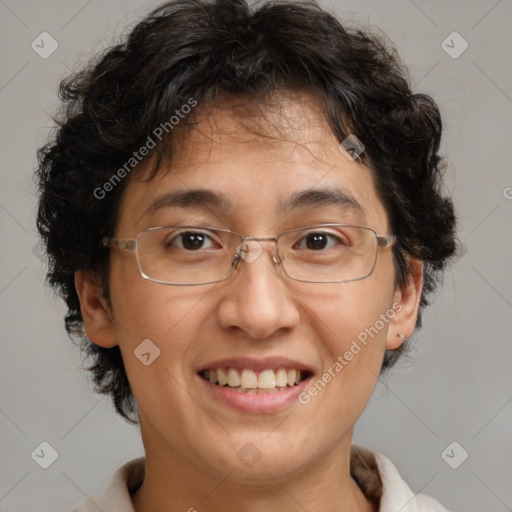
(354, 336)
(352, 311)
(352, 325)
(144, 308)
(172, 319)
(169, 316)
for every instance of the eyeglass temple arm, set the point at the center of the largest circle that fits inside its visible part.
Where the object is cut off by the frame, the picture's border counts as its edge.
(125, 244)
(386, 241)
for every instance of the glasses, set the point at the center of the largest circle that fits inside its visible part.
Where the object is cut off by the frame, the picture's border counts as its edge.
(193, 255)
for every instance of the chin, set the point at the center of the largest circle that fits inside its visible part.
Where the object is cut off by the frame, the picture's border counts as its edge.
(253, 458)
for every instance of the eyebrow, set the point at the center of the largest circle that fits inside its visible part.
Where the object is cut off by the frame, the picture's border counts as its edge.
(322, 197)
(190, 199)
(216, 200)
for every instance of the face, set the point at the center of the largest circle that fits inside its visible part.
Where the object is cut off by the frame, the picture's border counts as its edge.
(258, 319)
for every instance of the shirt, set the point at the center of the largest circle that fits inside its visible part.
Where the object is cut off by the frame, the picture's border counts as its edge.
(375, 474)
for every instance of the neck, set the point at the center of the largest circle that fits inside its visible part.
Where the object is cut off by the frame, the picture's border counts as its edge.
(173, 478)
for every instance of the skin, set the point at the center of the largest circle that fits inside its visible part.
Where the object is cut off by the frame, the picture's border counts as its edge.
(191, 441)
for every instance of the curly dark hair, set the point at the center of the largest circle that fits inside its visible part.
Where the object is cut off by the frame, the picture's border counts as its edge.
(204, 49)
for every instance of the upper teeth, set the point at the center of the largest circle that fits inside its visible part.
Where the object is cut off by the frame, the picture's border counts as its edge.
(248, 379)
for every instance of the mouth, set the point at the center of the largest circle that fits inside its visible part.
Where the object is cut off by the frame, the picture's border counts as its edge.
(252, 382)
(254, 385)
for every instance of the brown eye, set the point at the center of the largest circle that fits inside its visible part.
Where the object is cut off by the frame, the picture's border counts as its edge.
(318, 240)
(193, 241)
(190, 241)
(315, 241)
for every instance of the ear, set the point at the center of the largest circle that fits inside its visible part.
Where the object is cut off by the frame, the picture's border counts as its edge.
(407, 298)
(97, 317)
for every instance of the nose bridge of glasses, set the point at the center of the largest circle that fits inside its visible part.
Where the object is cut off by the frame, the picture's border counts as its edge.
(250, 249)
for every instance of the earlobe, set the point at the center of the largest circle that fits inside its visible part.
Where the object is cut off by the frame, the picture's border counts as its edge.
(407, 300)
(96, 314)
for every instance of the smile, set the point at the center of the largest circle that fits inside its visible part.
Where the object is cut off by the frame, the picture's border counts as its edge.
(250, 381)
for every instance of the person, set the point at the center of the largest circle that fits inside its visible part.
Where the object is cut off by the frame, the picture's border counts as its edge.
(242, 208)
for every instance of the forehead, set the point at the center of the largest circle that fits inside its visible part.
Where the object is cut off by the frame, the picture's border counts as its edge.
(247, 161)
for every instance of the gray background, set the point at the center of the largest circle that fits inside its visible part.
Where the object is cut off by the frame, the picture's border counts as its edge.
(456, 386)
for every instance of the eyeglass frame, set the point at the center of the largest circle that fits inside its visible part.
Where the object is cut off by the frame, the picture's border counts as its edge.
(130, 244)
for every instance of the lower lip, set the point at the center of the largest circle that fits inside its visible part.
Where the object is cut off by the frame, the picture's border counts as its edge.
(255, 403)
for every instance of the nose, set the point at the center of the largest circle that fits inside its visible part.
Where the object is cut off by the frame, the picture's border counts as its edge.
(259, 301)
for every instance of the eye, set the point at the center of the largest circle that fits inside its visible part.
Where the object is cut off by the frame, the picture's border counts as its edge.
(318, 241)
(190, 241)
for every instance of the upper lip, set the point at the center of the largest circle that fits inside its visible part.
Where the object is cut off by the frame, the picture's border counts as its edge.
(257, 364)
